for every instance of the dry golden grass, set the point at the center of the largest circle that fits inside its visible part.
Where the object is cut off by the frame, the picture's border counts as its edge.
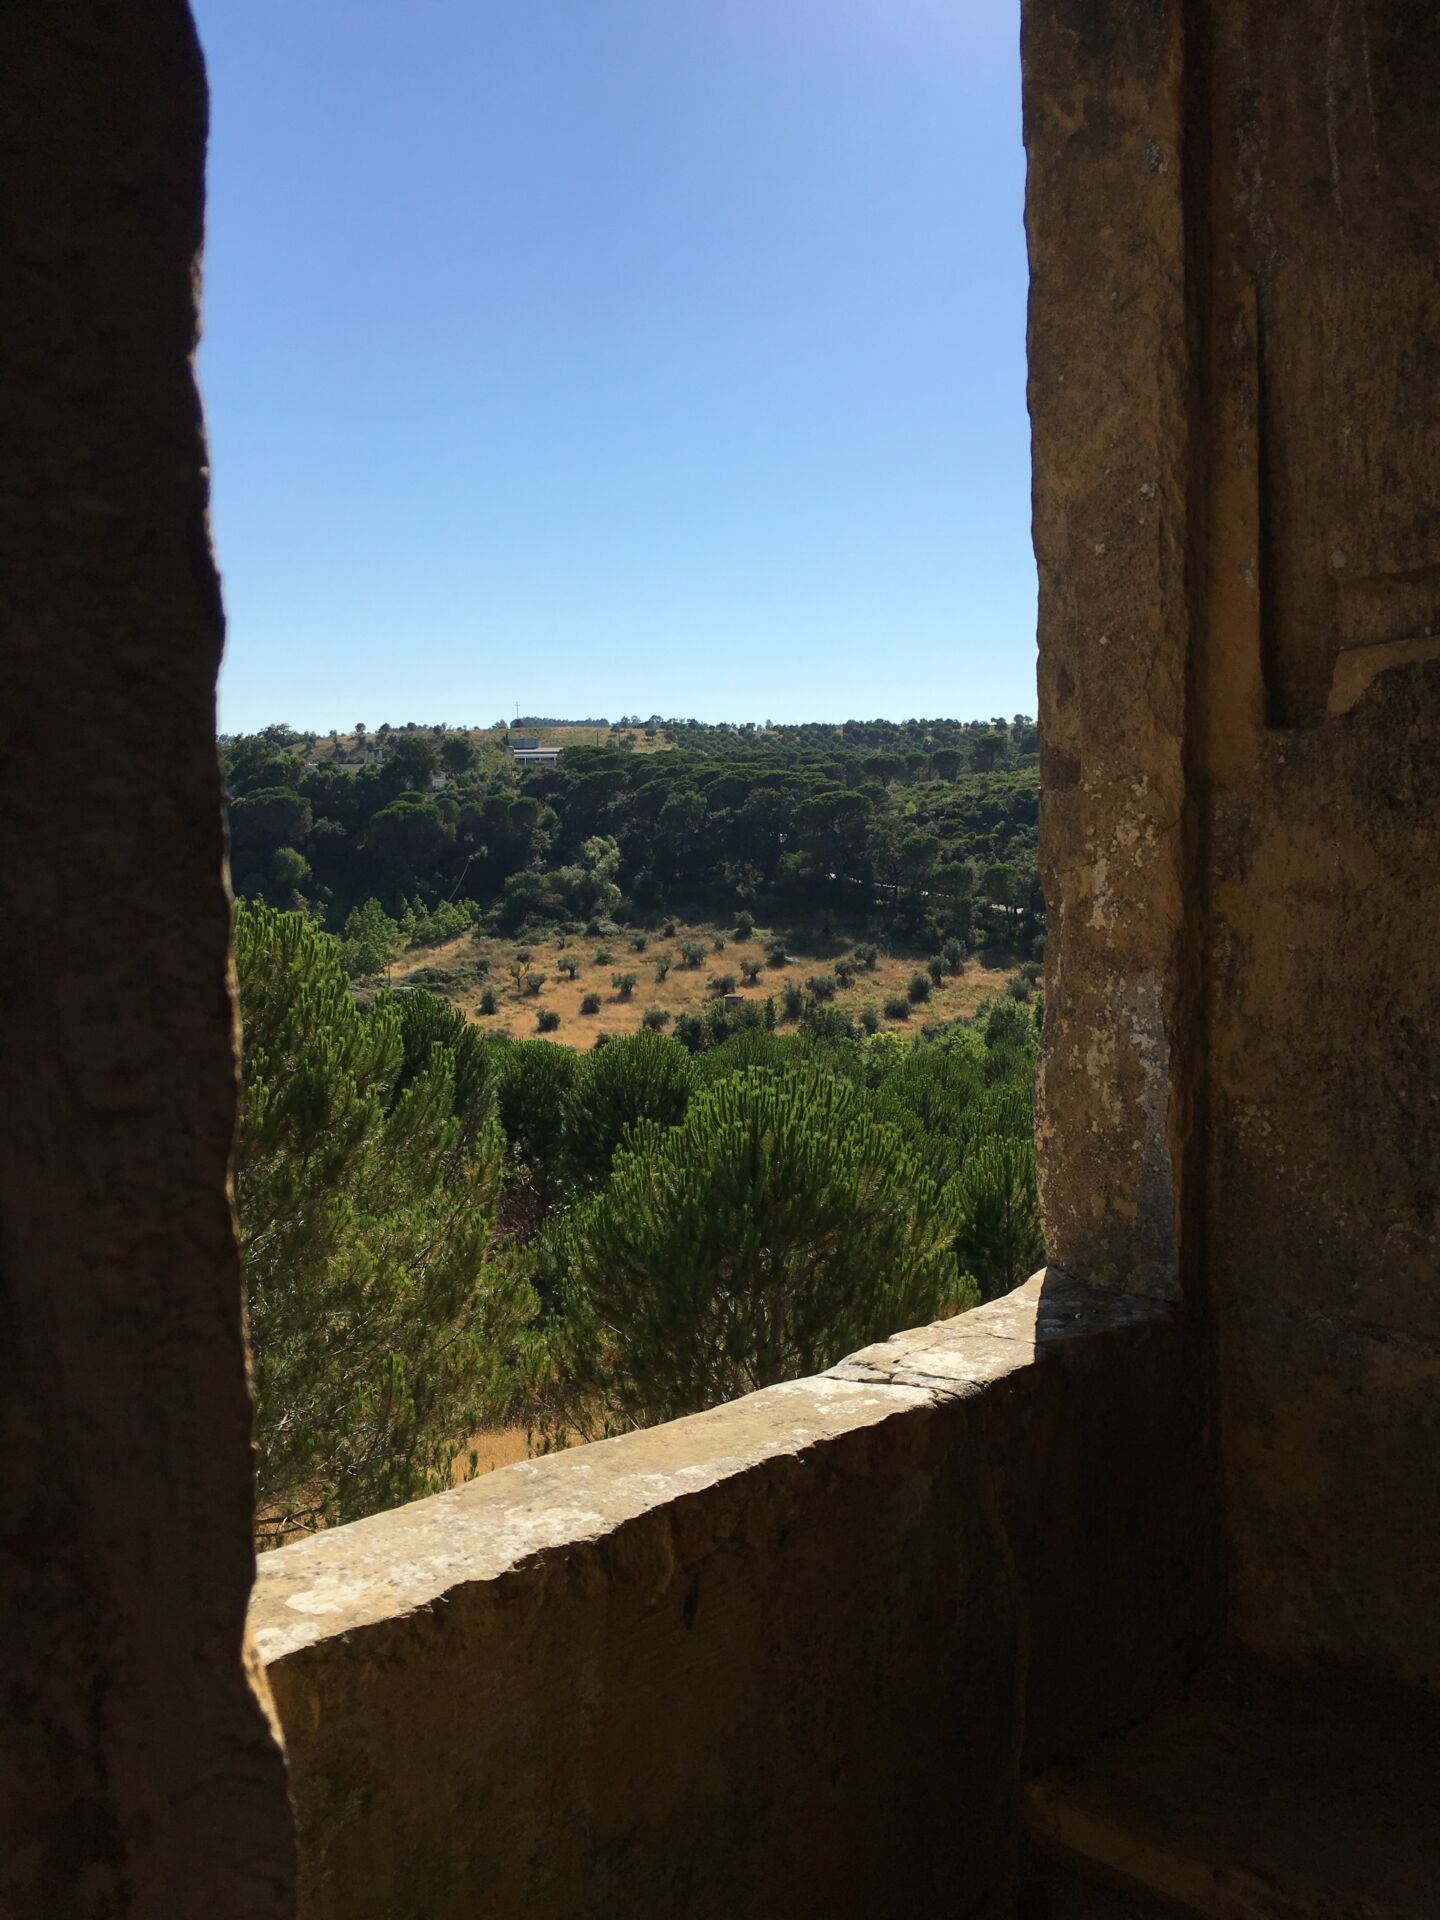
(492, 1447)
(684, 990)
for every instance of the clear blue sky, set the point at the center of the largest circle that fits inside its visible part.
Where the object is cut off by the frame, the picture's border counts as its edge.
(605, 356)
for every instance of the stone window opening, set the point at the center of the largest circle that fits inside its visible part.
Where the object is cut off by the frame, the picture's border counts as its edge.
(1120, 1592)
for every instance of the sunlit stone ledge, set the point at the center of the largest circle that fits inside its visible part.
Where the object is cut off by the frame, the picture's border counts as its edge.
(602, 1681)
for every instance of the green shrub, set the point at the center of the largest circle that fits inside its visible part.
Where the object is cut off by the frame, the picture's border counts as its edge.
(590, 1004)
(744, 925)
(870, 1019)
(918, 988)
(821, 986)
(935, 967)
(624, 983)
(721, 983)
(547, 1020)
(792, 1001)
(750, 970)
(656, 1018)
(487, 1001)
(827, 1022)
(897, 1007)
(442, 922)
(775, 953)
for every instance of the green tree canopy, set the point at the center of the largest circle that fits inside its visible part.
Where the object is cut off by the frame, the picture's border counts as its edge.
(777, 1227)
(643, 1076)
(380, 1317)
(371, 941)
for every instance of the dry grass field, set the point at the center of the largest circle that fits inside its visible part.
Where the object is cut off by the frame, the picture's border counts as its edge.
(683, 990)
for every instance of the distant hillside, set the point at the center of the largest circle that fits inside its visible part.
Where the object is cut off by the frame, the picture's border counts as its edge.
(924, 830)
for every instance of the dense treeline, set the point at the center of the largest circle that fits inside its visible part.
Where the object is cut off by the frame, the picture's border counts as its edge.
(441, 1229)
(925, 827)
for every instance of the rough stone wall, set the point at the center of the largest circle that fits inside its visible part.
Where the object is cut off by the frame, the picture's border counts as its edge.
(140, 1773)
(1322, 951)
(1233, 212)
(1109, 381)
(788, 1657)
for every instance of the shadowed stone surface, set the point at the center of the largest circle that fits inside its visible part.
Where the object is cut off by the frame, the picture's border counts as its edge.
(1253, 1798)
(786, 1657)
(140, 1775)
(1235, 385)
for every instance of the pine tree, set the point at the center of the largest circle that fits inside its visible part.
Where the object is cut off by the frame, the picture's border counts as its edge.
(378, 1314)
(644, 1076)
(533, 1085)
(776, 1228)
(998, 1241)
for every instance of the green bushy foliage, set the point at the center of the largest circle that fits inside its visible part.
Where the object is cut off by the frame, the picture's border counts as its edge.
(776, 1227)
(367, 1176)
(370, 942)
(532, 1088)
(642, 1076)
